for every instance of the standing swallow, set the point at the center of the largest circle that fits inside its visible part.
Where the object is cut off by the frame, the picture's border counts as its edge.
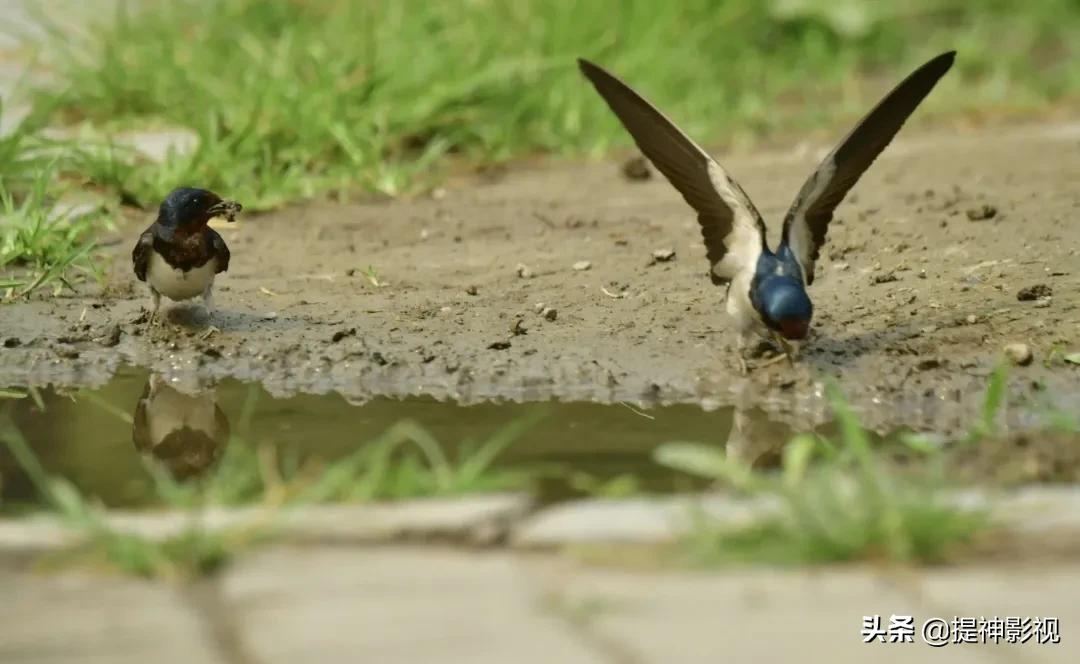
(179, 255)
(185, 433)
(766, 290)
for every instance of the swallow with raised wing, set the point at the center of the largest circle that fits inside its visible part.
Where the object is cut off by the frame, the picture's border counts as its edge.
(178, 256)
(766, 290)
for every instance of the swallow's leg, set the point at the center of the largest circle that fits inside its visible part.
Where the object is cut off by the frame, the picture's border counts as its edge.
(208, 301)
(788, 352)
(741, 343)
(208, 304)
(155, 305)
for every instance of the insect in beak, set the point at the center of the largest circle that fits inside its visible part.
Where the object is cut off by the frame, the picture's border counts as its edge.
(227, 209)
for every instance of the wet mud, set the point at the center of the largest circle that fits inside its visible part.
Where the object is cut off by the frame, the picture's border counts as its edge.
(589, 282)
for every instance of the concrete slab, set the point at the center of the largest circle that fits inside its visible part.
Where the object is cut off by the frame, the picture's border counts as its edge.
(96, 619)
(393, 605)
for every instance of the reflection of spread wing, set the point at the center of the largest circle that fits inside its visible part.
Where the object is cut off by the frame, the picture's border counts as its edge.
(140, 430)
(217, 243)
(733, 231)
(140, 255)
(807, 221)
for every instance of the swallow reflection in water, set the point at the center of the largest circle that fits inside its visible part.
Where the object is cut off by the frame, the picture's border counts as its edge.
(185, 433)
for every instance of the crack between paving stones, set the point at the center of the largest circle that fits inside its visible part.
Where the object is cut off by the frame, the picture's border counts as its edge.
(216, 619)
(581, 629)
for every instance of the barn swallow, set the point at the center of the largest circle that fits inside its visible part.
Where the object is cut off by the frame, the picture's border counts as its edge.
(766, 290)
(185, 433)
(179, 255)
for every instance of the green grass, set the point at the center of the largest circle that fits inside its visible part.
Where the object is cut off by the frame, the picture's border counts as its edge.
(838, 502)
(404, 462)
(41, 246)
(193, 552)
(292, 100)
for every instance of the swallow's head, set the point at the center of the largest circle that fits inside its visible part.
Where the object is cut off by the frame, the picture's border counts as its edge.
(785, 307)
(186, 210)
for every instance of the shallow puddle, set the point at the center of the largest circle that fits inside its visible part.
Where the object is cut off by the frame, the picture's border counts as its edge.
(107, 441)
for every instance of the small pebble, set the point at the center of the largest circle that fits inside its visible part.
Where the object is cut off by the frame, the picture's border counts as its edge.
(1043, 302)
(523, 271)
(972, 319)
(982, 212)
(1019, 354)
(550, 313)
(111, 337)
(539, 307)
(341, 334)
(636, 168)
(663, 255)
(518, 328)
(472, 290)
(1034, 292)
(581, 266)
(67, 353)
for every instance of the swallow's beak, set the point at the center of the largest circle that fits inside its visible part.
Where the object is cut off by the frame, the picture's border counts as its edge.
(794, 329)
(227, 209)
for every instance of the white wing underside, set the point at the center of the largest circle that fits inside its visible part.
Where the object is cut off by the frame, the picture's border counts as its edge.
(799, 238)
(744, 241)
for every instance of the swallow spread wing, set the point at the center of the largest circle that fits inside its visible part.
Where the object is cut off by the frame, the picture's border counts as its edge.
(731, 226)
(807, 221)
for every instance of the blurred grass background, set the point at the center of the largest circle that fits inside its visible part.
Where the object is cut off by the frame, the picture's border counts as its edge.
(294, 99)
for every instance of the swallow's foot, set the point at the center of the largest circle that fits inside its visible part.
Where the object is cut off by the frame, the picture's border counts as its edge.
(773, 360)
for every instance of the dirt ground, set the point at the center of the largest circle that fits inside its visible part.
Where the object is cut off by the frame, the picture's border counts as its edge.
(914, 301)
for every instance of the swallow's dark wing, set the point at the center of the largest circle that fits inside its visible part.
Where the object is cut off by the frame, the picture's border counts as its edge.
(140, 255)
(217, 245)
(733, 231)
(807, 221)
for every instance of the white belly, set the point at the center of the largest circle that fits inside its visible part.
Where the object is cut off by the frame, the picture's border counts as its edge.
(177, 284)
(740, 308)
(169, 410)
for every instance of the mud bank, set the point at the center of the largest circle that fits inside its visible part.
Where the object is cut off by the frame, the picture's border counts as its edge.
(916, 296)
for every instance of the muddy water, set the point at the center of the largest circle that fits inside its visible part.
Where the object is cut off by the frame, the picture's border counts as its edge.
(107, 440)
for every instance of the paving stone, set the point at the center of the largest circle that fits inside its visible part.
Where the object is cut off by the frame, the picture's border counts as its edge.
(747, 615)
(1023, 591)
(96, 619)
(475, 520)
(1028, 511)
(391, 605)
(39, 533)
(633, 520)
